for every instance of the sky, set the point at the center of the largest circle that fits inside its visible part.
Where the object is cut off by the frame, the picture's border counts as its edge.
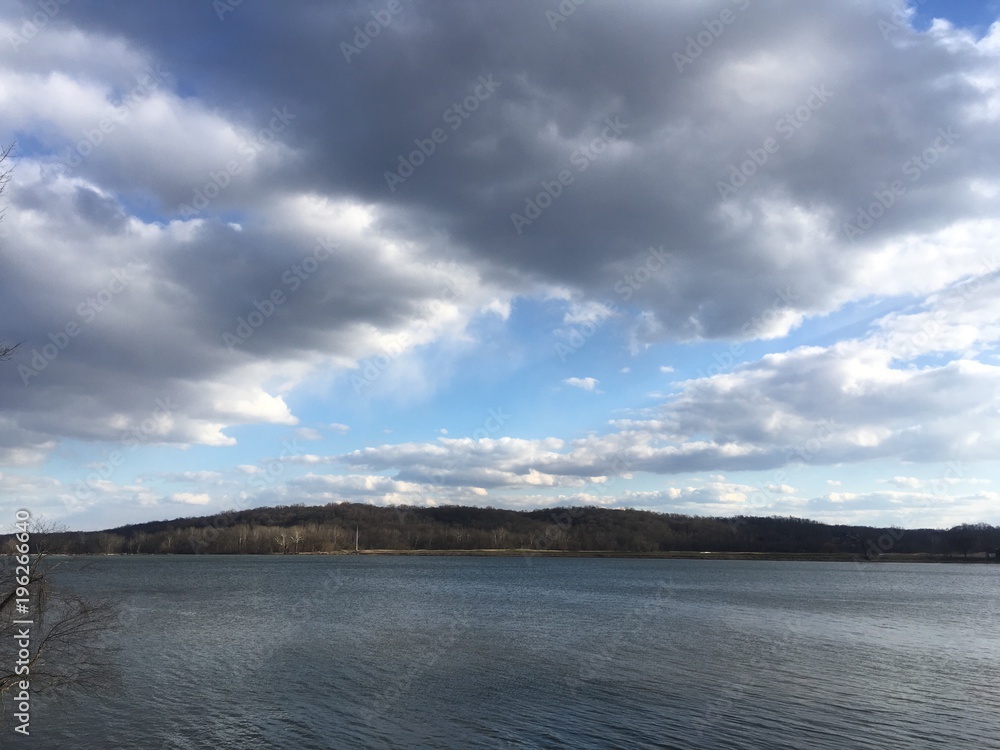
(712, 257)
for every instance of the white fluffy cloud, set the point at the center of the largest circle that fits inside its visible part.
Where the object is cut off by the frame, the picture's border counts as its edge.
(584, 384)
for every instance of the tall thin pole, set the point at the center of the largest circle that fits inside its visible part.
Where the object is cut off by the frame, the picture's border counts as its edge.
(357, 534)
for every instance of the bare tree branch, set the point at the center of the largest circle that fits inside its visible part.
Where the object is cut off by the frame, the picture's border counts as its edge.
(71, 647)
(6, 350)
(5, 157)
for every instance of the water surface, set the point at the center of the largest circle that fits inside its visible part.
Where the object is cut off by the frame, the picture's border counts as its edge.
(443, 652)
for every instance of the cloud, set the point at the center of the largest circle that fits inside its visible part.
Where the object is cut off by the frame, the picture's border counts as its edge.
(780, 489)
(910, 483)
(849, 402)
(786, 221)
(193, 477)
(187, 252)
(324, 488)
(396, 280)
(907, 509)
(191, 498)
(586, 384)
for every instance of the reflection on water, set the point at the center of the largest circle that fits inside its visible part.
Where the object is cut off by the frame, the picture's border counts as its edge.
(396, 652)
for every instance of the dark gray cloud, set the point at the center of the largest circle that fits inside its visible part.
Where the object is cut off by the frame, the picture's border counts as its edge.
(882, 102)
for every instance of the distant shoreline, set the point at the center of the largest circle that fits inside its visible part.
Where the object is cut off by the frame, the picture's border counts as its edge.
(586, 531)
(678, 555)
(887, 557)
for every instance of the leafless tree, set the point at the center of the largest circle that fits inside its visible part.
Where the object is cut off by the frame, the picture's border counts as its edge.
(71, 647)
(281, 538)
(5, 168)
(136, 541)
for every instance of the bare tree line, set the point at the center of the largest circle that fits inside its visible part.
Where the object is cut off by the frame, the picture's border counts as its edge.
(300, 529)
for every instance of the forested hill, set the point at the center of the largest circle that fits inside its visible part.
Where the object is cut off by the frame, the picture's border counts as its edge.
(332, 528)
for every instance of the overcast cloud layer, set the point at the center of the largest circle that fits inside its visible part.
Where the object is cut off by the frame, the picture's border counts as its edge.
(236, 232)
